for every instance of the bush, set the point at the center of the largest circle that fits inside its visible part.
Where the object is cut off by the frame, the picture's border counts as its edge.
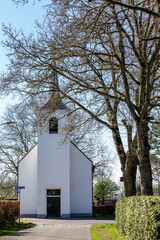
(139, 217)
(9, 211)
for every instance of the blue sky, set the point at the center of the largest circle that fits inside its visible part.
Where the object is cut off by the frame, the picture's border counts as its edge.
(20, 17)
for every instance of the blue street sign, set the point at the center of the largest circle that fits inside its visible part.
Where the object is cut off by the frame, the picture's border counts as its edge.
(19, 187)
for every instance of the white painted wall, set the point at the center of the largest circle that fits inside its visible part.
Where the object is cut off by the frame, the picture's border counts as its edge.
(28, 178)
(63, 167)
(53, 169)
(81, 183)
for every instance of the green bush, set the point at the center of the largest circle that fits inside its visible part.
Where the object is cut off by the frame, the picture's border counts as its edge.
(139, 217)
(9, 211)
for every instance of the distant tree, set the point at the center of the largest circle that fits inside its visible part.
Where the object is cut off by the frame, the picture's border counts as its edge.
(154, 138)
(15, 142)
(7, 190)
(105, 188)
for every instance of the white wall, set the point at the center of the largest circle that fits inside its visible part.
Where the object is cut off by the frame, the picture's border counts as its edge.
(81, 184)
(64, 167)
(53, 170)
(28, 178)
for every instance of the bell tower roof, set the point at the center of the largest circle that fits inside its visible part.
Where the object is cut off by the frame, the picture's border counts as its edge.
(54, 102)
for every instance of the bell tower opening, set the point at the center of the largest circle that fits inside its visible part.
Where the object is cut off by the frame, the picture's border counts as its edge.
(53, 125)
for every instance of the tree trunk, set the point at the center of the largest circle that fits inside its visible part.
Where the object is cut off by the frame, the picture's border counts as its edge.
(127, 165)
(143, 153)
(130, 176)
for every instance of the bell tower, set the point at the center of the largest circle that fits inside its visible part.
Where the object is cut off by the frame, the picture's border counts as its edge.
(53, 171)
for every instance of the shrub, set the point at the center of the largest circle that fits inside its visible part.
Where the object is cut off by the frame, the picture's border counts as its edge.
(9, 211)
(139, 217)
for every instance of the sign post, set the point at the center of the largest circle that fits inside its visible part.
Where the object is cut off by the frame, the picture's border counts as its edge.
(19, 188)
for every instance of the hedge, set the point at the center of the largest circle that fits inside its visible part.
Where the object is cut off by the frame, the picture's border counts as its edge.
(9, 211)
(139, 217)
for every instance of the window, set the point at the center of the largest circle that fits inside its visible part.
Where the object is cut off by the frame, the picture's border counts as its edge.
(53, 192)
(53, 125)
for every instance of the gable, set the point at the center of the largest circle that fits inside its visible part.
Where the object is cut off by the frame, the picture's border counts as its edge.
(82, 153)
(29, 152)
(71, 143)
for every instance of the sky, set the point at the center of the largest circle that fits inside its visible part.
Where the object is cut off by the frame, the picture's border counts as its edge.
(20, 17)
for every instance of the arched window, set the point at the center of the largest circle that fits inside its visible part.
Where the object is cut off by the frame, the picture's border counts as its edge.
(53, 125)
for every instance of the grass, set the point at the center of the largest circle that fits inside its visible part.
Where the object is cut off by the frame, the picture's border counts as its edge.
(106, 231)
(107, 217)
(13, 227)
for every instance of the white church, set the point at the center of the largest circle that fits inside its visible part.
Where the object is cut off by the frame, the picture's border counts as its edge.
(57, 180)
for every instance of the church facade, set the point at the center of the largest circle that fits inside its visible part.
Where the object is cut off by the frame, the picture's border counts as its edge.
(57, 179)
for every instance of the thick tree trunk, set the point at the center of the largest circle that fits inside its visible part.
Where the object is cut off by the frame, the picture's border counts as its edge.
(143, 153)
(129, 187)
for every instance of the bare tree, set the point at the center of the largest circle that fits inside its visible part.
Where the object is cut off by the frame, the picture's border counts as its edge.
(95, 148)
(77, 95)
(107, 58)
(15, 142)
(154, 138)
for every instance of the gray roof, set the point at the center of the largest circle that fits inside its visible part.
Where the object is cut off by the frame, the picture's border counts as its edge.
(54, 101)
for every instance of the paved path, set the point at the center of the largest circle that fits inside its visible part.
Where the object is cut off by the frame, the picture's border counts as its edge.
(53, 229)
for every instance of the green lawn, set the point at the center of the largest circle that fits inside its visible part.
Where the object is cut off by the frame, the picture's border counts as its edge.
(14, 227)
(106, 231)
